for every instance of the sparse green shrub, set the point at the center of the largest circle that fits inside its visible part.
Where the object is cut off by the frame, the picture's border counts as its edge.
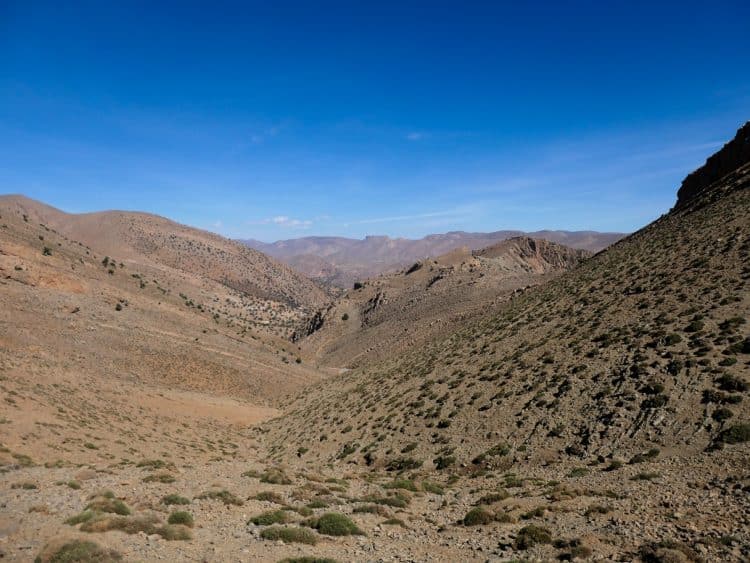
(110, 505)
(672, 339)
(271, 517)
(371, 509)
(395, 501)
(317, 503)
(152, 464)
(77, 551)
(25, 485)
(537, 512)
(477, 517)
(667, 551)
(645, 476)
(174, 499)
(81, 517)
(655, 402)
(275, 476)
(492, 498)
(597, 509)
(401, 484)
(223, 495)
(675, 366)
(434, 488)
(737, 434)
(443, 462)
(159, 478)
(270, 496)
(335, 524)
(722, 414)
(730, 383)
(653, 453)
(181, 517)
(409, 447)
(289, 534)
(133, 525)
(403, 464)
(531, 535)
(499, 450)
(652, 388)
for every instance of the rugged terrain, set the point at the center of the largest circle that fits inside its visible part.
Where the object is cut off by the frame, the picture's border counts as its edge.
(342, 261)
(271, 292)
(393, 313)
(600, 415)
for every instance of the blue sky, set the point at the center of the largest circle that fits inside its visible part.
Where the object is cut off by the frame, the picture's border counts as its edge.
(282, 119)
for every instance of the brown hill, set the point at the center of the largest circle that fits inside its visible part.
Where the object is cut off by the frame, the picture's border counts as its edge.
(342, 261)
(393, 313)
(146, 238)
(643, 346)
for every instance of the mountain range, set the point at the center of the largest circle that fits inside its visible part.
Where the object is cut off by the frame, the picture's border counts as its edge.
(341, 261)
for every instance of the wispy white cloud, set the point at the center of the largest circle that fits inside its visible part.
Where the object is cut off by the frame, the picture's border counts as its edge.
(415, 136)
(395, 218)
(283, 221)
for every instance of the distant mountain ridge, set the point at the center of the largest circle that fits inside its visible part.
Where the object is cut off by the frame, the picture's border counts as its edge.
(341, 261)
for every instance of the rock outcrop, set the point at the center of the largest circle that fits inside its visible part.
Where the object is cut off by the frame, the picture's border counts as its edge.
(732, 156)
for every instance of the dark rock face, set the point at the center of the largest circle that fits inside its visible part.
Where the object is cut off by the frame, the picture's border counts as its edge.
(731, 156)
(312, 324)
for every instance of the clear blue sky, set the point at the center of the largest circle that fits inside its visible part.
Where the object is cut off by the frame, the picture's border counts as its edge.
(280, 119)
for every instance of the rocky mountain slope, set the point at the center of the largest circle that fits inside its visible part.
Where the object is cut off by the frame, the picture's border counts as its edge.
(616, 373)
(146, 238)
(393, 313)
(342, 261)
(637, 347)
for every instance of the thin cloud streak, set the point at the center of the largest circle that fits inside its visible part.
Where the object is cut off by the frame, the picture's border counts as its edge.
(395, 218)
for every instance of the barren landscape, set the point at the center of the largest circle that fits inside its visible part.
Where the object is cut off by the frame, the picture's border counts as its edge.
(172, 395)
(341, 262)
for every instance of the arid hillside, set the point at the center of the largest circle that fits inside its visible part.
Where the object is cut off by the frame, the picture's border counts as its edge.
(342, 261)
(643, 346)
(154, 240)
(391, 314)
(600, 415)
(134, 318)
